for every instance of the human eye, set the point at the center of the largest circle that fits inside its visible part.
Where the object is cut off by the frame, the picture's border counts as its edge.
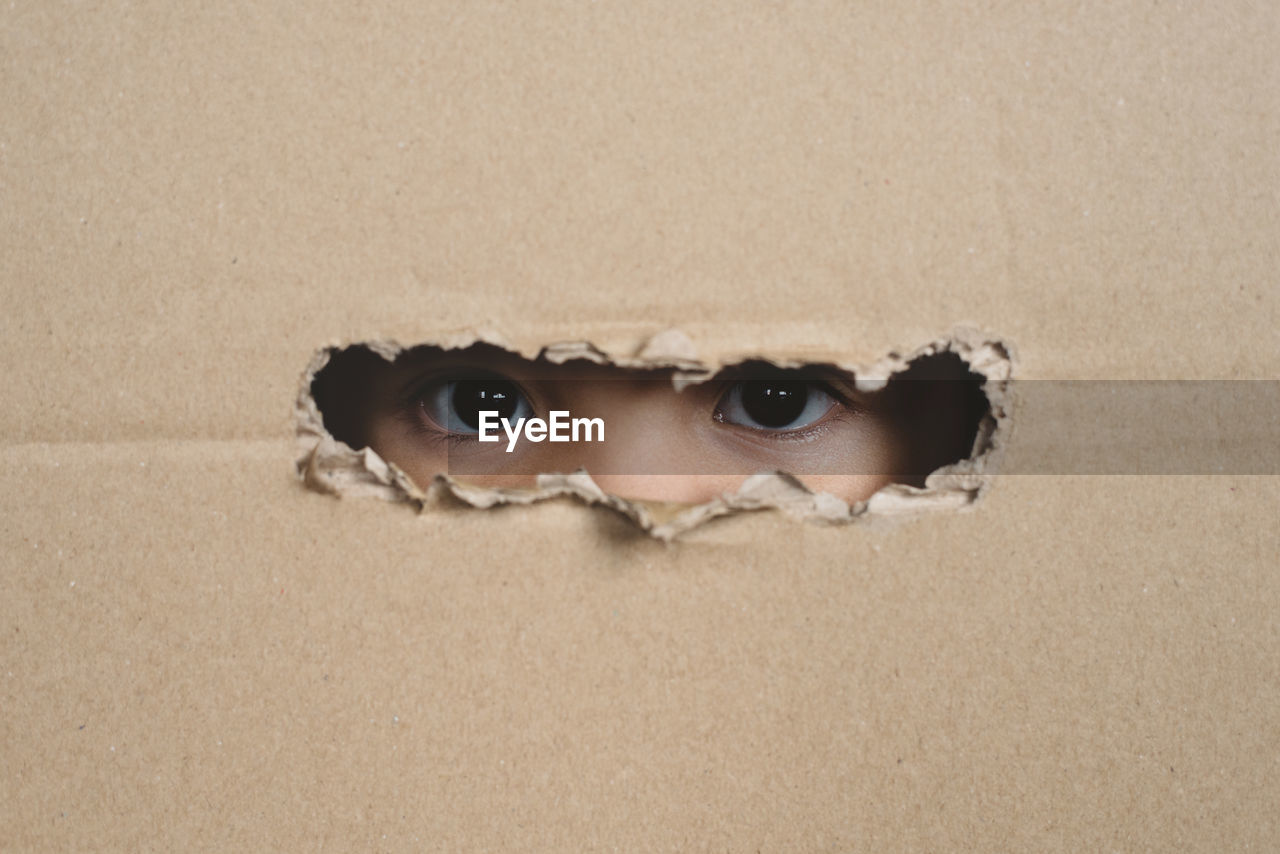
(454, 404)
(782, 404)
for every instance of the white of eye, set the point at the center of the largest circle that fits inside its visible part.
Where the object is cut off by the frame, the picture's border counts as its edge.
(733, 409)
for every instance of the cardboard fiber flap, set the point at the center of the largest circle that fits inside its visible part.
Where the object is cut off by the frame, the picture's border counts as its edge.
(199, 652)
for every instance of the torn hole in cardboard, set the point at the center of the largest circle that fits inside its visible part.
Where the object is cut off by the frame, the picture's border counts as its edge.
(682, 439)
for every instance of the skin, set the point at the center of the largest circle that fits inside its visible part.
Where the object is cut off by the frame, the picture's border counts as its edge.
(661, 445)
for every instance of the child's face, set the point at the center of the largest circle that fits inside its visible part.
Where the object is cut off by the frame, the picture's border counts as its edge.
(659, 444)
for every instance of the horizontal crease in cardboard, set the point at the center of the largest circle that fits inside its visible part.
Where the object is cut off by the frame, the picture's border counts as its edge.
(328, 465)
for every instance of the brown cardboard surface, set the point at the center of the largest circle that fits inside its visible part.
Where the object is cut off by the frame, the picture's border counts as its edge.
(198, 652)
(255, 668)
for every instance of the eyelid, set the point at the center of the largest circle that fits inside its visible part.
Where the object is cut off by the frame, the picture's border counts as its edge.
(846, 392)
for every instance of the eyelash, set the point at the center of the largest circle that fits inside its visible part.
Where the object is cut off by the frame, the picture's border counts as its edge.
(804, 434)
(417, 421)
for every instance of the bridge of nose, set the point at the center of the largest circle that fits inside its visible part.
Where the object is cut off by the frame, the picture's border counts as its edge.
(646, 427)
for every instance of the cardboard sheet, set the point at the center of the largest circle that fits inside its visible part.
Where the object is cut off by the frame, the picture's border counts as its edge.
(200, 652)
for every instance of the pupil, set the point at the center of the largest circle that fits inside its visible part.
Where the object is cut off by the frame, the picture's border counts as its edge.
(775, 404)
(471, 397)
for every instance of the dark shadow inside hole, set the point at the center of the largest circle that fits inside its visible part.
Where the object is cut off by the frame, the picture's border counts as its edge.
(422, 412)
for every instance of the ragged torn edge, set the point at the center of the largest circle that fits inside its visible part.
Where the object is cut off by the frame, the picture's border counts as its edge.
(331, 466)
